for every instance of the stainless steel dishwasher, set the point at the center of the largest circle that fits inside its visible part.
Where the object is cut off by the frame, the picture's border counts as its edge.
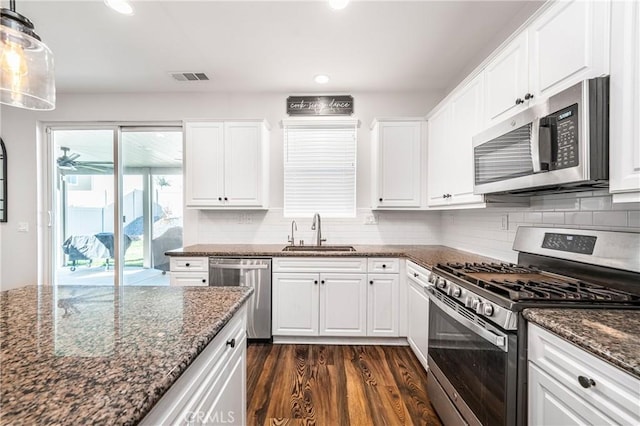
(249, 272)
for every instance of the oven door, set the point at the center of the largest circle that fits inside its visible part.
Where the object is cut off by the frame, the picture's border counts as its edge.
(474, 362)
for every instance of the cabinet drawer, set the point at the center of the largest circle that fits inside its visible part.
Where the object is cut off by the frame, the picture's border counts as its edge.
(184, 279)
(418, 273)
(384, 265)
(177, 404)
(615, 393)
(192, 264)
(320, 264)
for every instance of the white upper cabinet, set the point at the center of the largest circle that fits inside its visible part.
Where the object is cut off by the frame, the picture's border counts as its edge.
(568, 43)
(397, 164)
(507, 81)
(450, 172)
(624, 170)
(226, 164)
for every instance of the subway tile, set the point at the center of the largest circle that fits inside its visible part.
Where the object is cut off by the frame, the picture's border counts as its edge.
(610, 218)
(595, 203)
(533, 217)
(552, 217)
(578, 218)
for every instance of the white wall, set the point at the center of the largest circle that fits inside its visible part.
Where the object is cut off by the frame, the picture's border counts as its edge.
(19, 131)
(480, 231)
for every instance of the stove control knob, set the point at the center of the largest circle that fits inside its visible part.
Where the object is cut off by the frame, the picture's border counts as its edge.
(479, 307)
(470, 302)
(441, 283)
(487, 309)
(456, 292)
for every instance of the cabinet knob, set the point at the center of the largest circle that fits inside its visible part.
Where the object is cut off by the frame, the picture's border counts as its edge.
(187, 264)
(586, 382)
(315, 281)
(204, 280)
(384, 266)
(528, 96)
(380, 199)
(416, 275)
(519, 101)
(322, 282)
(219, 198)
(232, 343)
(226, 199)
(371, 282)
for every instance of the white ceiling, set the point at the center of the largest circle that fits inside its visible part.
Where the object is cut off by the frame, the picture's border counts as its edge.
(268, 46)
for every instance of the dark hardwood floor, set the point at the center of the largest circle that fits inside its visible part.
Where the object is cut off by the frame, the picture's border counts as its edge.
(336, 386)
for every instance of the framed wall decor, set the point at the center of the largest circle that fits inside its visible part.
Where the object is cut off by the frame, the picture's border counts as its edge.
(3, 182)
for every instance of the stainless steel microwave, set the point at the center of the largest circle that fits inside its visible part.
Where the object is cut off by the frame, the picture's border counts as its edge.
(559, 145)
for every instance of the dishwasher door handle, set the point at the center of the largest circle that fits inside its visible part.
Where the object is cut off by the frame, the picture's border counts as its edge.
(232, 266)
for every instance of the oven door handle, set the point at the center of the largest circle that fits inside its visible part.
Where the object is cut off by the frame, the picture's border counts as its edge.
(490, 336)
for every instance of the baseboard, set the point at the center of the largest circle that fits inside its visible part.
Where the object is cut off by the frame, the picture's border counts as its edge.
(327, 340)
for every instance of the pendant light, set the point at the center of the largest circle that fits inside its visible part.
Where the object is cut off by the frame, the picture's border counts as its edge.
(26, 64)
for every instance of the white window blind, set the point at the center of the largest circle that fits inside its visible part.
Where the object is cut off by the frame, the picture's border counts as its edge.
(320, 168)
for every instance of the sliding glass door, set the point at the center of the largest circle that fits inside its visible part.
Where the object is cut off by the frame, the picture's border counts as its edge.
(116, 204)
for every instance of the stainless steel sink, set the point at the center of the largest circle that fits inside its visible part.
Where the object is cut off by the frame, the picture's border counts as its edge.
(319, 248)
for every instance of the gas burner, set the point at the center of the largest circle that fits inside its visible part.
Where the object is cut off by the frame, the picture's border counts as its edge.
(496, 268)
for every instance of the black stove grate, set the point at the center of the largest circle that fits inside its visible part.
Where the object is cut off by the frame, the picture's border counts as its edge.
(526, 290)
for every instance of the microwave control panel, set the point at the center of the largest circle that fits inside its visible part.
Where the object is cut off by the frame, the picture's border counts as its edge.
(565, 142)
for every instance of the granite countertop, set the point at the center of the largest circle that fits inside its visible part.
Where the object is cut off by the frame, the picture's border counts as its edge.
(613, 335)
(424, 255)
(87, 354)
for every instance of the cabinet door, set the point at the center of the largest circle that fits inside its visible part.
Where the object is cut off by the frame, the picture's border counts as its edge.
(551, 403)
(242, 164)
(398, 164)
(418, 321)
(506, 80)
(295, 304)
(568, 43)
(383, 305)
(439, 164)
(624, 169)
(203, 164)
(343, 305)
(466, 120)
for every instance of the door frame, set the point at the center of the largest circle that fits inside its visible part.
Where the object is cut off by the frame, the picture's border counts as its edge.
(47, 213)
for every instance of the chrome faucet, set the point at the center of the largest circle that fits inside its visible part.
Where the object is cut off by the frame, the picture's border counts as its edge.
(317, 226)
(294, 227)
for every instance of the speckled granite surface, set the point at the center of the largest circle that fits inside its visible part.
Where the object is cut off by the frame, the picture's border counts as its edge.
(96, 355)
(613, 335)
(426, 256)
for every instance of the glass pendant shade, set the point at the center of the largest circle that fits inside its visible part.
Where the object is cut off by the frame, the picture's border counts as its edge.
(26, 65)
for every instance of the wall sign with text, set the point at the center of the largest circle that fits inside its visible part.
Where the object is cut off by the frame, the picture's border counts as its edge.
(320, 105)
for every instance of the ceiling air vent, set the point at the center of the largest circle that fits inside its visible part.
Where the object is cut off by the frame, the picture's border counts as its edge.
(189, 76)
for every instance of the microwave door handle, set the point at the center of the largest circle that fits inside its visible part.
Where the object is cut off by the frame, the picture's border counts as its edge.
(546, 142)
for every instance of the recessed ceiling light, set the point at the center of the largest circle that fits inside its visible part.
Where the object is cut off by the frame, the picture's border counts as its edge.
(338, 4)
(321, 79)
(120, 6)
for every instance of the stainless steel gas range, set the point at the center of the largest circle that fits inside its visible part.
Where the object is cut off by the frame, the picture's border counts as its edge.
(477, 335)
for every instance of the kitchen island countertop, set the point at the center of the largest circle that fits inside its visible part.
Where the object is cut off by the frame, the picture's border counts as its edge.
(93, 354)
(612, 334)
(424, 255)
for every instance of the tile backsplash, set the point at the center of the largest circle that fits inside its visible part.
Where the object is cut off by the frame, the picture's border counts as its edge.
(491, 231)
(270, 227)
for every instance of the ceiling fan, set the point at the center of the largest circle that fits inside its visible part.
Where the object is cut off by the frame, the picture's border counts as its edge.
(69, 162)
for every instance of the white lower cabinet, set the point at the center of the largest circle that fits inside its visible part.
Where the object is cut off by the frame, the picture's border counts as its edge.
(418, 311)
(189, 271)
(335, 297)
(569, 386)
(383, 305)
(312, 304)
(212, 390)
